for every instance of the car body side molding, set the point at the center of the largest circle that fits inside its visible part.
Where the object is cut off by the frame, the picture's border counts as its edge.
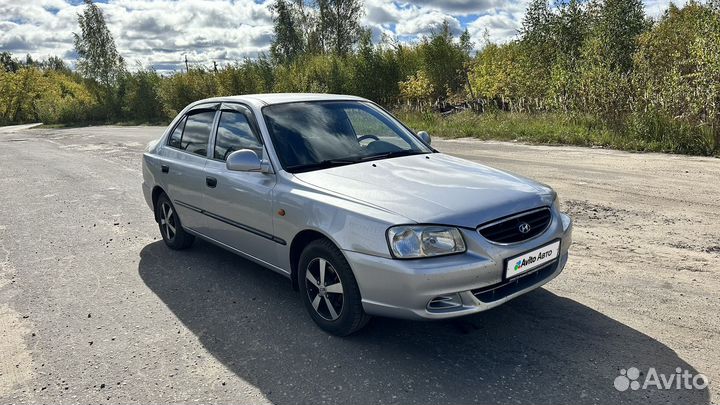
(233, 223)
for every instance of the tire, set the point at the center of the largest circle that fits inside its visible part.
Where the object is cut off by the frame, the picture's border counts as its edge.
(336, 289)
(173, 234)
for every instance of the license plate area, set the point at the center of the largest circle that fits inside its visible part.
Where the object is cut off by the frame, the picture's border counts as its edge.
(531, 260)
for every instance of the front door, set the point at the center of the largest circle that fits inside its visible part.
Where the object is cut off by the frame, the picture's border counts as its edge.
(240, 204)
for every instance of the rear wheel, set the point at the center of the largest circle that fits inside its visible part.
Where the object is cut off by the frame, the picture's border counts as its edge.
(171, 229)
(329, 290)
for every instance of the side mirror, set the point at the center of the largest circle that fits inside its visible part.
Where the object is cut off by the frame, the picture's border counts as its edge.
(244, 160)
(425, 137)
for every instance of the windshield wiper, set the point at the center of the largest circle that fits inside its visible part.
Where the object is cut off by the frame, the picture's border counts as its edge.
(388, 155)
(325, 164)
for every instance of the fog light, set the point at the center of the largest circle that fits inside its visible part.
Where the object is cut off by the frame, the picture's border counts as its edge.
(445, 302)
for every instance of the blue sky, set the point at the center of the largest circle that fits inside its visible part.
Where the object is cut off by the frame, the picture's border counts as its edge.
(161, 33)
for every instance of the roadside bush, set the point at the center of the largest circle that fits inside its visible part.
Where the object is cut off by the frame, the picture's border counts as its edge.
(179, 90)
(314, 74)
(142, 101)
(65, 101)
(655, 131)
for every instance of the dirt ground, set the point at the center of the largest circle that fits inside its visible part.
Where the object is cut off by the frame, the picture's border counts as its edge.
(93, 308)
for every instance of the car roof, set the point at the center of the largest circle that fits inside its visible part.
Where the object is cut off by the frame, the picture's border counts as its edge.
(281, 98)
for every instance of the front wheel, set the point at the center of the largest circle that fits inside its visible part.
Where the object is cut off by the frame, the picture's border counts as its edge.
(171, 229)
(329, 290)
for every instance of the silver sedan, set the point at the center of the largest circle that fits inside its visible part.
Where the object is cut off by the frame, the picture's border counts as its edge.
(360, 213)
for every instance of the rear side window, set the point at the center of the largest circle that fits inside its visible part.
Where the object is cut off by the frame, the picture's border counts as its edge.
(235, 133)
(196, 134)
(177, 134)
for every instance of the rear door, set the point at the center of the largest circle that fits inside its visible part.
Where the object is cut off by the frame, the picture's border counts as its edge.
(240, 204)
(186, 156)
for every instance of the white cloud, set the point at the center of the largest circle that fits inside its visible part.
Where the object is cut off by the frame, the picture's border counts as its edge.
(500, 27)
(39, 27)
(426, 23)
(162, 32)
(461, 7)
(149, 31)
(655, 8)
(407, 21)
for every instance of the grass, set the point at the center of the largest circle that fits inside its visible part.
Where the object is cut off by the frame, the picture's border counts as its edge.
(636, 134)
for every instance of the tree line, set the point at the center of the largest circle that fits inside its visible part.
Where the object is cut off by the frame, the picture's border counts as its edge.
(602, 63)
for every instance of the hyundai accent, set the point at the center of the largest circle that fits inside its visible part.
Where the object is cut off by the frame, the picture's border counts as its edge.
(362, 214)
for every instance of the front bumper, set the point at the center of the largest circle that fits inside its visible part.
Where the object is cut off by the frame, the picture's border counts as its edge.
(403, 288)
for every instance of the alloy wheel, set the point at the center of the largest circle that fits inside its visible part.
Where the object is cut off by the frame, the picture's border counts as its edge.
(324, 289)
(168, 221)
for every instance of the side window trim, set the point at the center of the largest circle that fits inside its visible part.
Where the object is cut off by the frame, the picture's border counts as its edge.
(248, 112)
(213, 128)
(210, 152)
(239, 108)
(249, 117)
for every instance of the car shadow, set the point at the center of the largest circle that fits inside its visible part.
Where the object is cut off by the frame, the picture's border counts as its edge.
(539, 348)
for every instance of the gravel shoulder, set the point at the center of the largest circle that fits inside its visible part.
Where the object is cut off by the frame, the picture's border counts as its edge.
(93, 308)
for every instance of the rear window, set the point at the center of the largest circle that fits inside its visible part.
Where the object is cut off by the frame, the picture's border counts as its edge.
(177, 134)
(192, 133)
(196, 134)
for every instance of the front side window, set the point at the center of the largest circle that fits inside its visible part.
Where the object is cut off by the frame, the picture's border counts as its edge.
(317, 135)
(235, 133)
(192, 133)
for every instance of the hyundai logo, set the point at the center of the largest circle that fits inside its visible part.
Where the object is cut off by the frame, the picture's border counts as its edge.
(524, 228)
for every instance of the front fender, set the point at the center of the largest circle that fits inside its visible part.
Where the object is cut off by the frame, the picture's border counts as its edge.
(352, 225)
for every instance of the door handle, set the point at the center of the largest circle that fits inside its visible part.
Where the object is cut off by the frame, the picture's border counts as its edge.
(211, 182)
(165, 168)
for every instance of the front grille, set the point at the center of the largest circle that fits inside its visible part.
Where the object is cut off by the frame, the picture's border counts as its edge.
(502, 290)
(508, 230)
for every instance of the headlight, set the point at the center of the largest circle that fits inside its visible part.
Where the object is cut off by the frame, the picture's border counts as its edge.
(412, 242)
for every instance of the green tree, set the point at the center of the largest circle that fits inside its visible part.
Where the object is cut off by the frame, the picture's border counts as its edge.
(538, 45)
(98, 58)
(620, 23)
(417, 89)
(677, 73)
(537, 29)
(570, 31)
(444, 61)
(8, 63)
(142, 100)
(57, 64)
(288, 42)
(375, 71)
(339, 22)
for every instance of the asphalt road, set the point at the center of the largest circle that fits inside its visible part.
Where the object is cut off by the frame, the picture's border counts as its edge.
(94, 309)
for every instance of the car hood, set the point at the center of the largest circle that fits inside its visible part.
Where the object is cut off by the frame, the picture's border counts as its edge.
(436, 189)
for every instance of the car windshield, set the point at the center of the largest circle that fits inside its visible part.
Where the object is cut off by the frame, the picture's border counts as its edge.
(318, 135)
